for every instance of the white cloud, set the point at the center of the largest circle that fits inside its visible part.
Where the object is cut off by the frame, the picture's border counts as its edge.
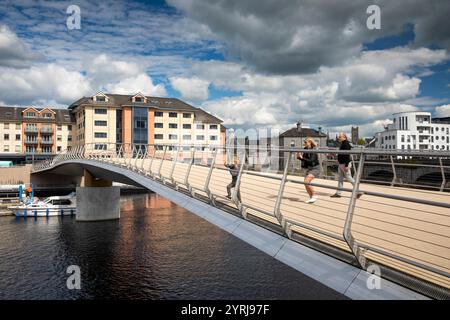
(41, 83)
(191, 88)
(443, 111)
(13, 52)
(140, 83)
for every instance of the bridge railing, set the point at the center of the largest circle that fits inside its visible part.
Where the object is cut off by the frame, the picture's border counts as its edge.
(404, 229)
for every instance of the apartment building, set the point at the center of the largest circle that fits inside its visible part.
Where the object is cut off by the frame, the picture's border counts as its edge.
(415, 131)
(35, 131)
(138, 119)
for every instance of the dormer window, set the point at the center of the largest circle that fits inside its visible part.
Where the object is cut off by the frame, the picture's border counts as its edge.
(30, 114)
(47, 115)
(139, 98)
(100, 97)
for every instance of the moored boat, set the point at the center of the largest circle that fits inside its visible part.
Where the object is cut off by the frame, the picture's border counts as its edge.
(52, 206)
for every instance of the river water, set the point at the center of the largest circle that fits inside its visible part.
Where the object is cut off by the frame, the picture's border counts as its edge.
(156, 250)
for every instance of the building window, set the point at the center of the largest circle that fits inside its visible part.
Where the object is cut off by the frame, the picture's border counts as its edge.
(99, 135)
(101, 111)
(173, 125)
(200, 137)
(18, 126)
(159, 114)
(173, 137)
(118, 126)
(138, 99)
(159, 125)
(47, 115)
(187, 137)
(6, 125)
(58, 148)
(159, 136)
(173, 114)
(98, 146)
(213, 126)
(200, 126)
(140, 122)
(100, 123)
(100, 98)
(213, 138)
(186, 115)
(17, 137)
(69, 138)
(69, 127)
(59, 138)
(6, 136)
(18, 149)
(30, 114)
(59, 128)
(186, 126)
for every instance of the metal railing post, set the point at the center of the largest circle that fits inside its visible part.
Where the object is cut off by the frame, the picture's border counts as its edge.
(276, 209)
(443, 175)
(188, 171)
(151, 162)
(173, 165)
(208, 178)
(141, 169)
(237, 188)
(162, 161)
(394, 178)
(353, 245)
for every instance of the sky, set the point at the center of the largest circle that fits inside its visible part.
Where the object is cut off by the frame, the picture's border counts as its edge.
(254, 63)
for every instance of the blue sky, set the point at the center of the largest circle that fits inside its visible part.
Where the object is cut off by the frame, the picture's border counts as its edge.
(254, 64)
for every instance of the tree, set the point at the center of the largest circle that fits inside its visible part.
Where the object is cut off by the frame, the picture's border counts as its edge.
(361, 142)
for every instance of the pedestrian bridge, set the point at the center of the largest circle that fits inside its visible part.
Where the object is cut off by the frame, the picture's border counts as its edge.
(403, 231)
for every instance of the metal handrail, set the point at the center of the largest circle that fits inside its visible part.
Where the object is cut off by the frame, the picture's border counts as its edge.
(90, 152)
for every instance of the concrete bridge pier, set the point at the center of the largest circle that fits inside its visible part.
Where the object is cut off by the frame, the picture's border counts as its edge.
(97, 199)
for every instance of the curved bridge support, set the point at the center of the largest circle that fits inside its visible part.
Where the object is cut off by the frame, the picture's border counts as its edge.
(98, 200)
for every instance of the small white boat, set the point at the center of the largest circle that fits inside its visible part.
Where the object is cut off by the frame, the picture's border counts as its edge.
(52, 206)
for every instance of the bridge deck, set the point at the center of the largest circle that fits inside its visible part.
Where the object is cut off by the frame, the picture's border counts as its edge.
(414, 231)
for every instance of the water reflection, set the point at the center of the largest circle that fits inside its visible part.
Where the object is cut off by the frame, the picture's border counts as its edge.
(157, 250)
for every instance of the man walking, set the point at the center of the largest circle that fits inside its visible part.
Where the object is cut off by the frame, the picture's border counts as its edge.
(344, 166)
(234, 171)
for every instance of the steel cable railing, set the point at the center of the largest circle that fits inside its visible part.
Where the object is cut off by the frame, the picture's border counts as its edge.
(390, 221)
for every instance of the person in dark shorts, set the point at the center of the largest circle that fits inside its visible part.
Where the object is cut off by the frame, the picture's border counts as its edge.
(234, 171)
(310, 162)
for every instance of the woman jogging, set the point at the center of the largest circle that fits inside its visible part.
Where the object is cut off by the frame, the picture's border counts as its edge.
(310, 162)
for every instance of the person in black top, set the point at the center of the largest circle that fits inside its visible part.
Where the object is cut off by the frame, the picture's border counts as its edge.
(310, 162)
(344, 165)
(234, 171)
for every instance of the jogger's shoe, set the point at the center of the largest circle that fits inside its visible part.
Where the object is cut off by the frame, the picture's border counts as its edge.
(335, 196)
(311, 200)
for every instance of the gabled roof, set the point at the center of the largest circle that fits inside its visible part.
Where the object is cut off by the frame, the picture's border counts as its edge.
(159, 103)
(304, 132)
(15, 114)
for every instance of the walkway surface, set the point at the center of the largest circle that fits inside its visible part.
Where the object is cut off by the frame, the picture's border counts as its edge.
(414, 231)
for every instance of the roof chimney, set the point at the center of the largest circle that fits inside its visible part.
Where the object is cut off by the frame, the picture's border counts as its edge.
(299, 126)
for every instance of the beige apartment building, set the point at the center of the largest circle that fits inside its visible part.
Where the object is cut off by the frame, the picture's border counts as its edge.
(138, 119)
(32, 131)
(106, 118)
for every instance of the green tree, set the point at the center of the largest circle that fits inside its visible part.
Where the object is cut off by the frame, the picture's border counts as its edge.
(361, 142)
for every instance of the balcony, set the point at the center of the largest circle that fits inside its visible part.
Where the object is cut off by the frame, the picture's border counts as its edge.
(46, 130)
(46, 141)
(31, 141)
(31, 129)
